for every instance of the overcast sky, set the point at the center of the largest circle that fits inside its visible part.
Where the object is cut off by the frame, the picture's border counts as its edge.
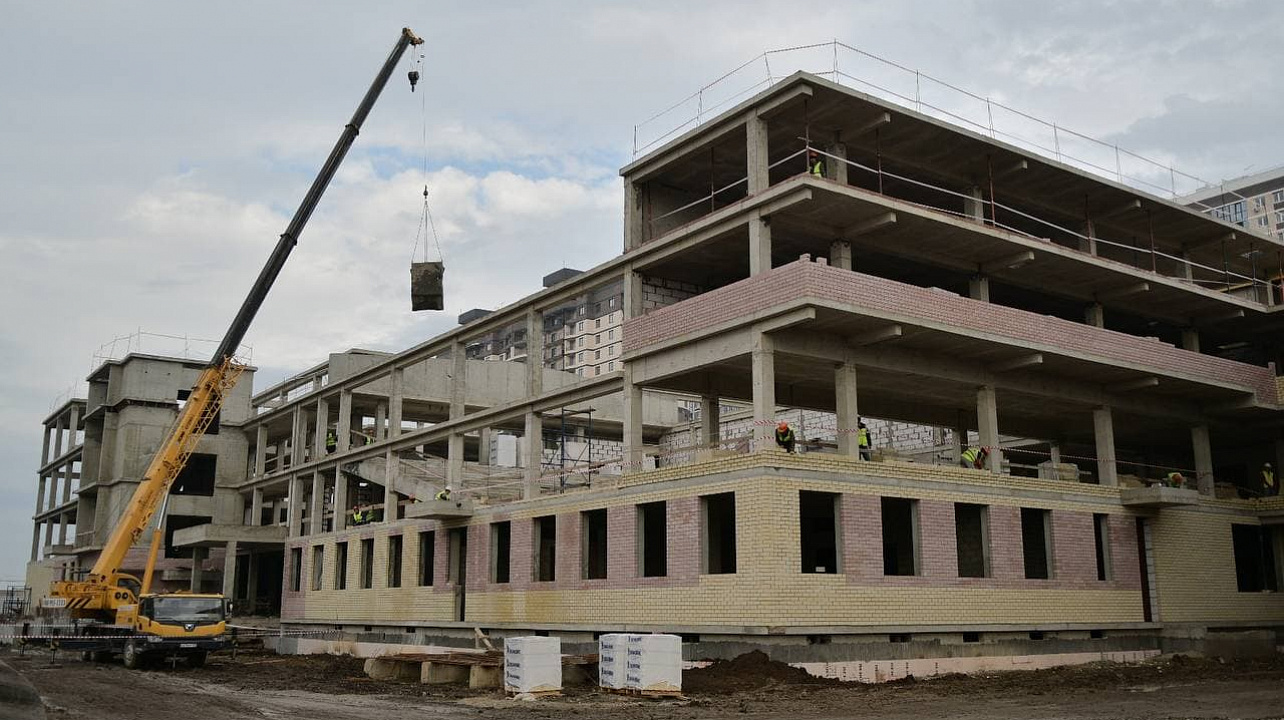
(151, 153)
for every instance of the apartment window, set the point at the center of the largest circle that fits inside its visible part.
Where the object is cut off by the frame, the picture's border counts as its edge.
(653, 544)
(1259, 203)
(597, 308)
(610, 366)
(597, 339)
(718, 516)
(394, 561)
(597, 354)
(580, 357)
(318, 564)
(427, 551)
(457, 554)
(197, 476)
(599, 322)
(610, 335)
(900, 536)
(296, 568)
(580, 326)
(367, 563)
(341, 566)
(1036, 542)
(579, 341)
(1277, 197)
(1279, 216)
(545, 541)
(1232, 213)
(611, 302)
(593, 544)
(1256, 567)
(972, 538)
(1263, 221)
(1101, 534)
(501, 548)
(818, 531)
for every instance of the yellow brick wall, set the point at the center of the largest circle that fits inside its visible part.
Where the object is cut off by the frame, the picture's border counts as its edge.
(380, 603)
(1195, 570)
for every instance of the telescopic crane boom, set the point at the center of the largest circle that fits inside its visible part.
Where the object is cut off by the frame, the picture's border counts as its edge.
(107, 594)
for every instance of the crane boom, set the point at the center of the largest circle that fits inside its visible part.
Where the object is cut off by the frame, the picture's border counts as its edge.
(99, 592)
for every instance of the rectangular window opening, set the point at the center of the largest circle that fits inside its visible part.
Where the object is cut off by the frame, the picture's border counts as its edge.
(818, 531)
(427, 551)
(719, 515)
(971, 637)
(545, 531)
(394, 561)
(341, 566)
(367, 563)
(318, 565)
(1036, 543)
(296, 568)
(197, 476)
(593, 544)
(501, 547)
(972, 537)
(1101, 534)
(900, 536)
(653, 545)
(1256, 567)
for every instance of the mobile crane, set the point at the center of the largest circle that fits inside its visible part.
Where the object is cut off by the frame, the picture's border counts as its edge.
(122, 615)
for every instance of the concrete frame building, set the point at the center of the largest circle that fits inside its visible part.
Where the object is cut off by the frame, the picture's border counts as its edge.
(960, 290)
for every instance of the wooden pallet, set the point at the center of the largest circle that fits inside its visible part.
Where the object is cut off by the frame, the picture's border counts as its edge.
(658, 694)
(538, 694)
(490, 658)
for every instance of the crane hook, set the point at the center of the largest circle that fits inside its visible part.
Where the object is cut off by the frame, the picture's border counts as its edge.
(414, 79)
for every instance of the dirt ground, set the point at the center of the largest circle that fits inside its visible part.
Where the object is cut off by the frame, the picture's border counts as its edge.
(261, 685)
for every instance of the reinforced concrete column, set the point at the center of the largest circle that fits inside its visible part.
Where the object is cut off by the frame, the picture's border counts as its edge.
(35, 542)
(710, 421)
(483, 446)
(848, 411)
(632, 423)
(763, 382)
(340, 501)
(1095, 315)
(978, 288)
(62, 529)
(987, 421)
(256, 507)
(534, 454)
(1104, 428)
(756, 163)
(634, 225)
(1054, 449)
(396, 395)
(459, 378)
(759, 245)
(260, 451)
(52, 500)
(1203, 459)
(344, 432)
(229, 569)
(252, 579)
(840, 254)
(455, 460)
(391, 470)
(632, 294)
(974, 204)
(381, 420)
(323, 427)
(836, 167)
(1188, 270)
(295, 507)
(960, 435)
(44, 449)
(72, 424)
(317, 526)
(296, 436)
(1190, 339)
(534, 352)
(1088, 243)
(66, 481)
(40, 495)
(57, 437)
(199, 554)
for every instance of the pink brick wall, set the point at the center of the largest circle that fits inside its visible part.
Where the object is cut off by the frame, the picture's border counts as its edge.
(906, 303)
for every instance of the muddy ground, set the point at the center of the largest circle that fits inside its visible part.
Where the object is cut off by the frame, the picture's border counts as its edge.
(262, 685)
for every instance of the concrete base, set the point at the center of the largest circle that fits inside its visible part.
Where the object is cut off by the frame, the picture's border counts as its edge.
(431, 673)
(381, 669)
(480, 676)
(877, 671)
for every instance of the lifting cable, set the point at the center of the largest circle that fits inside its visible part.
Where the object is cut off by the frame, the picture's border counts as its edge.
(426, 223)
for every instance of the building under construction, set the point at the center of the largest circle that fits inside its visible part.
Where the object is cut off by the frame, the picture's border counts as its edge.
(819, 256)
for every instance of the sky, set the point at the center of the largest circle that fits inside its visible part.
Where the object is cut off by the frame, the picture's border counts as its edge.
(152, 152)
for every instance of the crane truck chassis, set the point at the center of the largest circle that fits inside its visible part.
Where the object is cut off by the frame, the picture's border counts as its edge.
(116, 613)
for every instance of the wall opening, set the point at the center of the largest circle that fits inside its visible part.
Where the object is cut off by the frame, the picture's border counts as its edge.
(427, 553)
(341, 566)
(1256, 569)
(653, 543)
(197, 476)
(501, 548)
(367, 563)
(394, 561)
(972, 539)
(718, 513)
(318, 565)
(545, 532)
(296, 568)
(593, 544)
(818, 531)
(1101, 534)
(900, 536)
(457, 550)
(1036, 542)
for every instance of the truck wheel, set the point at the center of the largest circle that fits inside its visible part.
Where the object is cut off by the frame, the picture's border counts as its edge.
(133, 657)
(197, 659)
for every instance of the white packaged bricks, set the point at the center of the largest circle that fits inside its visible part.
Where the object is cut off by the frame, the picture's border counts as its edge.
(610, 660)
(532, 664)
(653, 662)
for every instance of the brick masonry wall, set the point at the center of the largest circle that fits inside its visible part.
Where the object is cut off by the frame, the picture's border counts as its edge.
(658, 292)
(906, 303)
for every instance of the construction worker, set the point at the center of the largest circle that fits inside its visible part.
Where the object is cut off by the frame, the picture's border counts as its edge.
(815, 166)
(1269, 487)
(444, 494)
(1175, 479)
(974, 458)
(331, 442)
(785, 436)
(862, 440)
(358, 515)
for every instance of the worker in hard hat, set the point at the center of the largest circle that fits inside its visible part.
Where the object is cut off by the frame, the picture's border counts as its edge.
(863, 441)
(815, 165)
(974, 458)
(785, 436)
(358, 515)
(1175, 479)
(1269, 487)
(444, 494)
(331, 441)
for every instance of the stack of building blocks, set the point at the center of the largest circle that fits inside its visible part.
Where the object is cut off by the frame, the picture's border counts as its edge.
(653, 664)
(533, 665)
(610, 661)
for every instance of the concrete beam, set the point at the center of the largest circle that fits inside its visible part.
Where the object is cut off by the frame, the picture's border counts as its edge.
(1212, 240)
(1123, 291)
(1015, 167)
(1215, 318)
(1018, 363)
(1007, 262)
(865, 227)
(873, 337)
(871, 125)
(1125, 207)
(1132, 385)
